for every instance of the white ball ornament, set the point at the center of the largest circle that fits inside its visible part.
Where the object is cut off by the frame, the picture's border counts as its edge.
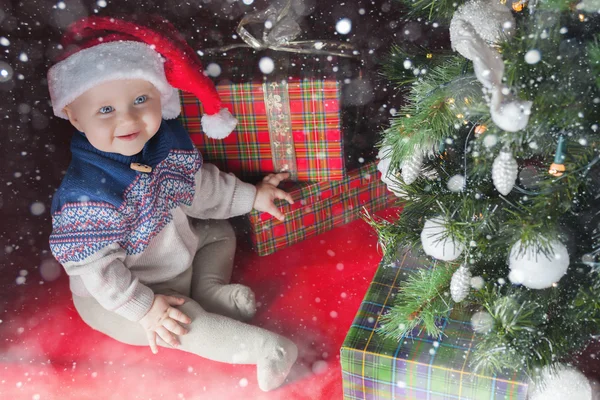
(536, 270)
(563, 383)
(491, 19)
(436, 242)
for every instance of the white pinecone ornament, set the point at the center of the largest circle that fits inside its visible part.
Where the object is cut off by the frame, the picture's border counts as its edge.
(504, 172)
(411, 167)
(460, 285)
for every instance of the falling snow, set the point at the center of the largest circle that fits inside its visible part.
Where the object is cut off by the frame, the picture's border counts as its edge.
(343, 26)
(266, 65)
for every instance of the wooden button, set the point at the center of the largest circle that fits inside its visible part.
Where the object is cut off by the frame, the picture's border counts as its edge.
(140, 167)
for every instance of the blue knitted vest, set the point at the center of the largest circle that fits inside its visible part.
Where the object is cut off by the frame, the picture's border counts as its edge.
(101, 200)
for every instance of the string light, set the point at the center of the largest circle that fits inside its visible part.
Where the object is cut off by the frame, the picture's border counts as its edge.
(479, 129)
(429, 55)
(519, 5)
(558, 168)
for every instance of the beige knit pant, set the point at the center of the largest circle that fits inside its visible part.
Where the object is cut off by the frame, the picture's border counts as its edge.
(210, 335)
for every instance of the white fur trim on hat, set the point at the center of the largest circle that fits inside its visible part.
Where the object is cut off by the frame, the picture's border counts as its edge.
(219, 125)
(105, 62)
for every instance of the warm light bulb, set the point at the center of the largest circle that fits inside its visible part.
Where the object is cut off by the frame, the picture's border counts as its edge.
(518, 5)
(556, 169)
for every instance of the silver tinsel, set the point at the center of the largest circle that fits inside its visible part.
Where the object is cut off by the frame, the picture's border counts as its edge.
(411, 167)
(504, 172)
(460, 285)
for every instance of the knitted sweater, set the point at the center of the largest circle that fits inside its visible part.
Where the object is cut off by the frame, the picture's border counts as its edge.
(115, 229)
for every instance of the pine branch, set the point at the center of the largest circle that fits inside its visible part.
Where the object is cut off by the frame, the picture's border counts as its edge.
(432, 9)
(422, 301)
(594, 54)
(404, 60)
(431, 112)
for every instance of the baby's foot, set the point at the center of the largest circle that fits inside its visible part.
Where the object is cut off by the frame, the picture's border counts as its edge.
(275, 367)
(233, 301)
(243, 300)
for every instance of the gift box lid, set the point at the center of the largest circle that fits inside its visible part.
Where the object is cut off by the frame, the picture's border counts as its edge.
(306, 193)
(293, 125)
(418, 366)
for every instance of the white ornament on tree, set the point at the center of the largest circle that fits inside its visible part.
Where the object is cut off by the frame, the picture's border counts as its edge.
(491, 20)
(411, 167)
(436, 241)
(504, 172)
(536, 270)
(460, 285)
(508, 112)
(560, 383)
(390, 178)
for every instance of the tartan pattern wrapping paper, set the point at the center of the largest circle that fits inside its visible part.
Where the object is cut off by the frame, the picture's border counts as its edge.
(315, 123)
(319, 207)
(419, 366)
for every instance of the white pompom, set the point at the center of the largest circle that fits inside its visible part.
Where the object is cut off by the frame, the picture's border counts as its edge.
(509, 113)
(492, 21)
(534, 269)
(436, 242)
(482, 322)
(564, 383)
(504, 172)
(219, 125)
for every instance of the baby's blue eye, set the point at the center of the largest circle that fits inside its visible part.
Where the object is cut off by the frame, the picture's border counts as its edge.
(140, 99)
(106, 109)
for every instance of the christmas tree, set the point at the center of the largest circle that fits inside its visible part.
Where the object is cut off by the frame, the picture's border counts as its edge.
(495, 157)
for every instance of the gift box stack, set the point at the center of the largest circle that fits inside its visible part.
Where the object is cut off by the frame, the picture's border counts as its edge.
(304, 118)
(298, 126)
(417, 366)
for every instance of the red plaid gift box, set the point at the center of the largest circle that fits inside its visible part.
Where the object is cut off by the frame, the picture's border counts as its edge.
(319, 207)
(292, 125)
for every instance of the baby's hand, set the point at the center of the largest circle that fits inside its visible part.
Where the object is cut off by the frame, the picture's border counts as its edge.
(267, 191)
(161, 319)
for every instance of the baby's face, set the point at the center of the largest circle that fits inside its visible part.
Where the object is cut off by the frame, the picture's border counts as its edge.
(118, 116)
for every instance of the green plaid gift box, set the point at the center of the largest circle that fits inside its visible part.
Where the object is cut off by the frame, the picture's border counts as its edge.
(418, 366)
(319, 207)
(294, 126)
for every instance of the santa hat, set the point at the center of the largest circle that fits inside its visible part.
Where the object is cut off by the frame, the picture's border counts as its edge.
(101, 49)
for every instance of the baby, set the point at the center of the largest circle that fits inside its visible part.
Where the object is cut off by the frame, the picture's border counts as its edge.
(139, 221)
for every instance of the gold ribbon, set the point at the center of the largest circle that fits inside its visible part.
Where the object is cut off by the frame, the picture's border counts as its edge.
(277, 104)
